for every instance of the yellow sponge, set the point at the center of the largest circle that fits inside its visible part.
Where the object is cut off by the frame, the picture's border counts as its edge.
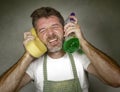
(36, 48)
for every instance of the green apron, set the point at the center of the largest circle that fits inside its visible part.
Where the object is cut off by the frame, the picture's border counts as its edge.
(71, 85)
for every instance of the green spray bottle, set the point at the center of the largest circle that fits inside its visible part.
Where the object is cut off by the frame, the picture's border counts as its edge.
(71, 43)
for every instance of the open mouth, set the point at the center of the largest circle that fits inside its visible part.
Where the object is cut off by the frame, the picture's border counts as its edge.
(53, 42)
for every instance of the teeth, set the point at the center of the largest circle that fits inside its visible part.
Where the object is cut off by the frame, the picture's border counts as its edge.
(52, 40)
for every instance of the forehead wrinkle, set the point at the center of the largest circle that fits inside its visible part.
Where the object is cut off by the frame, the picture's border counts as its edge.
(47, 22)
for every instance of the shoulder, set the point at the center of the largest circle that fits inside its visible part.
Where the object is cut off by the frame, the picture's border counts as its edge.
(37, 61)
(81, 58)
(34, 67)
(79, 55)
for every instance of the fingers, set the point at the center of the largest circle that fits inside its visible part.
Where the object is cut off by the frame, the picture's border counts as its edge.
(27, 34)
(74, 18)
(28, 37)
(71, 28)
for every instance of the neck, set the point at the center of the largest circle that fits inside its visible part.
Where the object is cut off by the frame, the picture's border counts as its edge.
(57, 54)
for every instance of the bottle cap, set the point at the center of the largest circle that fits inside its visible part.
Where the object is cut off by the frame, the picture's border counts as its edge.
(71, 19)
(72, 14)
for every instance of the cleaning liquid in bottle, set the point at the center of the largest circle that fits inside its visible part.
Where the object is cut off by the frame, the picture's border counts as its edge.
(71, 43)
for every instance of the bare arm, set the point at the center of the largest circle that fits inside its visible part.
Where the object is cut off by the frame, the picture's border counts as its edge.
(13, 79)
(10, 79)
(24, 81)
(101, 65)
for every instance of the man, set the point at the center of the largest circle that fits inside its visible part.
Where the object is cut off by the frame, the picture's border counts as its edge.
(57, 71)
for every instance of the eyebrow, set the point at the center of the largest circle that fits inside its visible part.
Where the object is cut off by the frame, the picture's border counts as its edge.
(51, 25)
(56, 25)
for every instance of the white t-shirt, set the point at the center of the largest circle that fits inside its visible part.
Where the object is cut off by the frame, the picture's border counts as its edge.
(59, 70)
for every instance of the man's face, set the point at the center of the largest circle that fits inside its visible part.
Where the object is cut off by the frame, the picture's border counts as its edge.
(50, 31)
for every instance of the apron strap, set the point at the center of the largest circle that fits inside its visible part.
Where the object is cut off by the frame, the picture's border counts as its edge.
(45, 67)
(72, 63)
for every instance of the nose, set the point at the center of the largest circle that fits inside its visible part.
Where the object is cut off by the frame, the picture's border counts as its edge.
(50, 31)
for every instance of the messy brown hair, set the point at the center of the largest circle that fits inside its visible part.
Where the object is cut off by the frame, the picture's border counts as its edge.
(45, 12)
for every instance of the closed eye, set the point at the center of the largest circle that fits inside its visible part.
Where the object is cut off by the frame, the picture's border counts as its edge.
(42, 30)
(56, 26)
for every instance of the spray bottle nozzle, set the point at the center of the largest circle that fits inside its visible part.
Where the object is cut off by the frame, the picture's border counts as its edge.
(71, 19)
(72, 14)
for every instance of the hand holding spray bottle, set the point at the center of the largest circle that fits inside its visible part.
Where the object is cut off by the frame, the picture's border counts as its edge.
(71, 43)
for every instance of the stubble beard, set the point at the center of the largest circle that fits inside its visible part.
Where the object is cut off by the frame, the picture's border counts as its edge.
(55, 48)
